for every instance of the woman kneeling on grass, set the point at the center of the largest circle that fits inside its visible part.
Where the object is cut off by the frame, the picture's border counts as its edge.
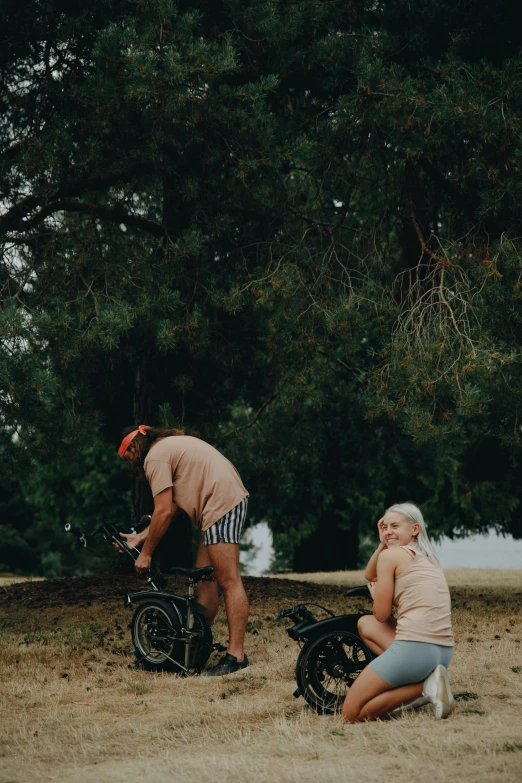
(415, 649)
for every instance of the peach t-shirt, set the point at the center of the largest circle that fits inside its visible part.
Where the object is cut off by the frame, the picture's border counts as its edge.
(204, 483)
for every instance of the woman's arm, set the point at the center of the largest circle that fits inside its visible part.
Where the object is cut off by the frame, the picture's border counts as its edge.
(385, 585)
(371, 569)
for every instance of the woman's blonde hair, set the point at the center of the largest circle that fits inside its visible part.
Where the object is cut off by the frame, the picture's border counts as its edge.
(413, 514)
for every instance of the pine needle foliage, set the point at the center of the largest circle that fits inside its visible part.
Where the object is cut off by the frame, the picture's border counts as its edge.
(264, 210)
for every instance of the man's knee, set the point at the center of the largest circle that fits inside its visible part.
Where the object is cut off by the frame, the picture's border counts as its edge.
(225, 560)
(230, 580)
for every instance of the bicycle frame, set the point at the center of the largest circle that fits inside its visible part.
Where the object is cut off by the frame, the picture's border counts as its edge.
(307, 627)
(185, 606)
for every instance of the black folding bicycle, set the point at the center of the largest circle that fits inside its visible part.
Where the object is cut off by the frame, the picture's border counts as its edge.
(332, 653)
(169, 631)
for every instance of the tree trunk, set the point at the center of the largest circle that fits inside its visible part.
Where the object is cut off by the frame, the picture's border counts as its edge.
(329, 548)
(175, 548)
(142, 502)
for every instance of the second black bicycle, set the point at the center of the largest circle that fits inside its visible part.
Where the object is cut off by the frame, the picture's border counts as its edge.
(332, 654)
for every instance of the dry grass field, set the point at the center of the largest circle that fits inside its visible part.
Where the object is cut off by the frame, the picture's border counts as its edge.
(12, 579)
(74, 712)
(497, 578)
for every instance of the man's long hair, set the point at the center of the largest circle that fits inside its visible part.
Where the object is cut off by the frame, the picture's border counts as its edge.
(143, 443)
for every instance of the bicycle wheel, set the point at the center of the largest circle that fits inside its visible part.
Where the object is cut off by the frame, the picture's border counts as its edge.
(327, 666)
(155, 630)
(156, 635)
(203, 646)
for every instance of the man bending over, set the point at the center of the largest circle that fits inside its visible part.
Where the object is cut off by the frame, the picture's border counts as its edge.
(186, 473)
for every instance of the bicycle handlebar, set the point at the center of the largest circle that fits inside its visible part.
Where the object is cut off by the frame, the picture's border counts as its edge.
(113, 536)
(108, 532)
(142, 524)
(78, 533)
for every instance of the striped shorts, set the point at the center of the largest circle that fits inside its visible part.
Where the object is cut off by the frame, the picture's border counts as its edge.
(227, 530)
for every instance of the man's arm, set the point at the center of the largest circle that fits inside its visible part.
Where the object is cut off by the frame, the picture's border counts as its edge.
(164, 512)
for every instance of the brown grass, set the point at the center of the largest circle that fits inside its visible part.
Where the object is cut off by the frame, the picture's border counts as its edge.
(457, 577)
(72, 710)
(12, 579)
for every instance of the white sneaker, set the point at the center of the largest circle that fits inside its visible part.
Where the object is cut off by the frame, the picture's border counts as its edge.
(413, 706)
(437, 690)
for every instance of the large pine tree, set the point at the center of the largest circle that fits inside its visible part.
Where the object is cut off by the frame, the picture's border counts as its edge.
(294, 212)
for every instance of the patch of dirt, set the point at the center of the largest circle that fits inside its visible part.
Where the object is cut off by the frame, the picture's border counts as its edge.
(109, 589)
(90, 614)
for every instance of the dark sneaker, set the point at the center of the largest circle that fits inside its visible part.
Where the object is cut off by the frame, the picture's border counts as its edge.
(227, 665)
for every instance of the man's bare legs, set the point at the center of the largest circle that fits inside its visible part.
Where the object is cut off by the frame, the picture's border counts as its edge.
(225, 559)
(208, 594)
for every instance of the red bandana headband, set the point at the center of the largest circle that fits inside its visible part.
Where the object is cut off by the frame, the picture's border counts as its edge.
(127, 440)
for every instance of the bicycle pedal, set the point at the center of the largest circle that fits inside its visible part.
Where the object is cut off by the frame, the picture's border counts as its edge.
(296, 693)
(219, 647)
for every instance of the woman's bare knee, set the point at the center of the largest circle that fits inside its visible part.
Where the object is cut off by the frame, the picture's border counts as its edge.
(364, 625)
(350, 713)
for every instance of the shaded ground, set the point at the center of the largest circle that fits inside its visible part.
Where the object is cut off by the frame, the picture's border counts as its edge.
(109, 590)
(74, 712)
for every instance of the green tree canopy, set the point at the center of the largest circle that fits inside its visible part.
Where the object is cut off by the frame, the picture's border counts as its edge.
(292, 221)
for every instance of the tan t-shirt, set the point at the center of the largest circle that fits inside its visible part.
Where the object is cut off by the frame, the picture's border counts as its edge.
(204, 483)
(423, 604)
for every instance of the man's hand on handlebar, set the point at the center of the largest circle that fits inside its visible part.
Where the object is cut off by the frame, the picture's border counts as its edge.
(143, 563)
(133, 541)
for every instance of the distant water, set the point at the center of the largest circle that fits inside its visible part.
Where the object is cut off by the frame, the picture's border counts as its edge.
(488, 551)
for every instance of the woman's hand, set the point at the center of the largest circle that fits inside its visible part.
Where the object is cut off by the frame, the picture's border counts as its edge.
(381, 533)
(371, 569)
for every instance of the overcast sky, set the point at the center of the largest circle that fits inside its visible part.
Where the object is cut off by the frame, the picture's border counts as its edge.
(489, 551)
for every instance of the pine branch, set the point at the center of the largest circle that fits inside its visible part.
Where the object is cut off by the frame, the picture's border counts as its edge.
(444, 262)
(12, 219)
(233, 433)
(115, 215)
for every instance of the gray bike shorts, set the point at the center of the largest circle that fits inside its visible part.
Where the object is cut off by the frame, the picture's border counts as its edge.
(406, 662)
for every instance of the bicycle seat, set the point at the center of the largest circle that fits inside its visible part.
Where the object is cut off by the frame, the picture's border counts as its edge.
(193, 573)
(359, 590)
